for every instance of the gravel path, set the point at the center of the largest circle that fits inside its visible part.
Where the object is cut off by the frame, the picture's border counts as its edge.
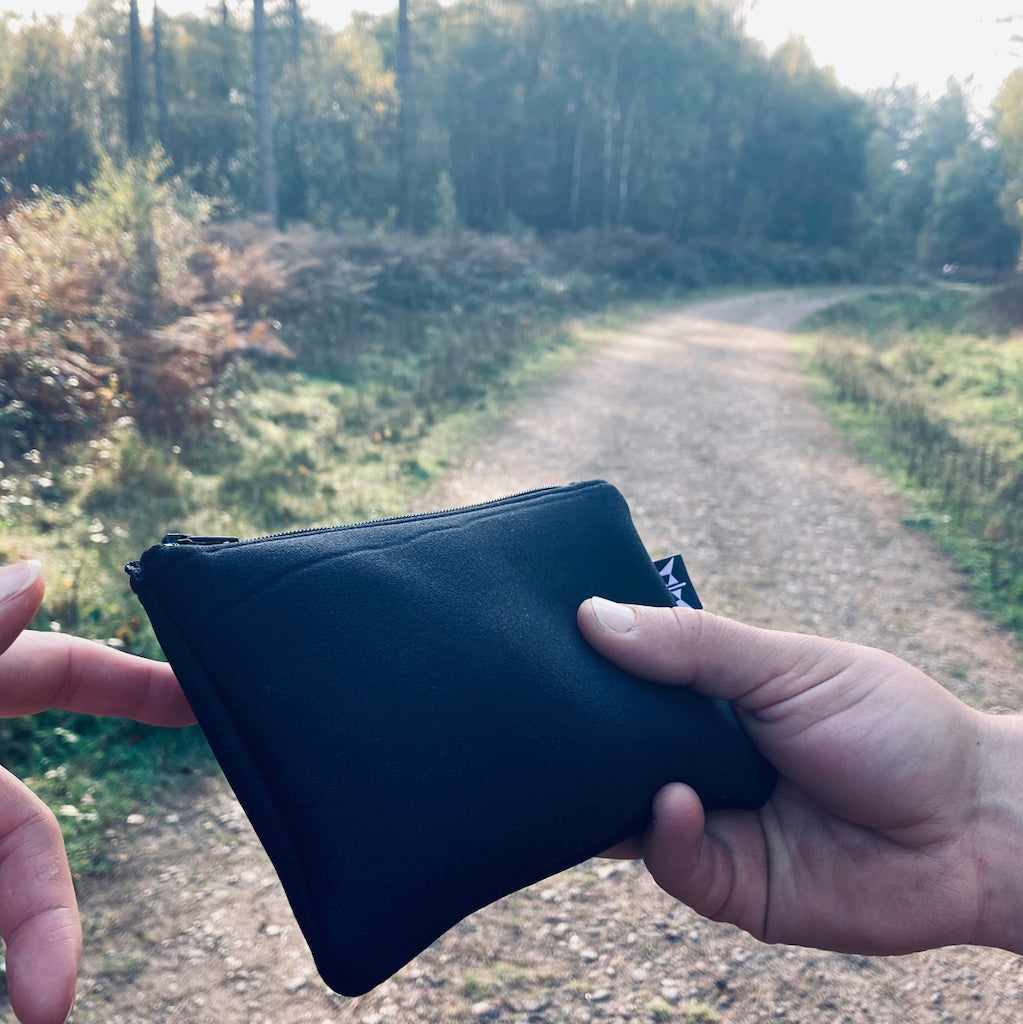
(702, 419)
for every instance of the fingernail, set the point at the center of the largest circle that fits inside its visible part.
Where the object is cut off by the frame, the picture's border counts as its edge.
(17, 578)
(619, 618)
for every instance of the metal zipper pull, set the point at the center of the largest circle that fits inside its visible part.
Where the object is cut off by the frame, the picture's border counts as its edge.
(184, 538)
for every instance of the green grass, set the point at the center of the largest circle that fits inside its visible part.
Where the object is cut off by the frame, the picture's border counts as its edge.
(929, 387)
(95, 772)
(660, 1010)
(700, 1013)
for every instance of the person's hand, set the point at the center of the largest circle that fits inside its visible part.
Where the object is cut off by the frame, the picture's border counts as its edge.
(898, 814)
(38, 912)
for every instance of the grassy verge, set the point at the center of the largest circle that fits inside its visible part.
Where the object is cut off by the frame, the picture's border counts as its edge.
(929, 386)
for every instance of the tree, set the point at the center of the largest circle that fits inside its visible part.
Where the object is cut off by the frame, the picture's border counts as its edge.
(159, 75)
(406, 121)
(943, 127)
(350, 110)
(964, 224)
(293, 186)
(892, 182)
(804, 158)
(45, 98)
(14, 147)
(917, 148)
(1008, 108)
(211, 128)
(136, 81)
(264, 114)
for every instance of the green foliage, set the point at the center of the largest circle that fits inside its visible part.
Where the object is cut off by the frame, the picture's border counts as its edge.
(964, 226)
(881, 319)
(941, 409)
(147, 224)
(42, 96)
(78, 280)
(933, 186)
(558, 116)
(94, 772)
(798, 192)
(1009, 129)
(642, 264)
(654, 116)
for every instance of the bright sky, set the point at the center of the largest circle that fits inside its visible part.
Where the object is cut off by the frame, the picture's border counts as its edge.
(868, 42)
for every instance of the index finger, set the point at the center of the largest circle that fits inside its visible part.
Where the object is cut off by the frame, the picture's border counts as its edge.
(53, 670)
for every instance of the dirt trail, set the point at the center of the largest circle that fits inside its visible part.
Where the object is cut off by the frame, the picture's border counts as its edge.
(702, 419)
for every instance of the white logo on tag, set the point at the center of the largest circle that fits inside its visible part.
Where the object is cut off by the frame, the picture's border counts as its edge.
(675, 586)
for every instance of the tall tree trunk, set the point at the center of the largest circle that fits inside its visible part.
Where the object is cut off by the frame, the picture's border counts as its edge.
(136, 82)
(297, 170)
(406, 122)
(221, 33)
(625, 166)
(161, 81)
(145, 268)
(296, 38)
(610, 117)
(577, 173)
(264, 122)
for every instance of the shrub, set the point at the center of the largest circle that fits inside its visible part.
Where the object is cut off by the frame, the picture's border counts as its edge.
(83, 283)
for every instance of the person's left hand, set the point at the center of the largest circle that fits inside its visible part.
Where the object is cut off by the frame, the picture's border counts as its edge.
(38, 911)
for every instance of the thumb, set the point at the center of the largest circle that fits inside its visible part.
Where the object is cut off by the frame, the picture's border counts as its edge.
(718, 657)
(21, 593)
(38, 915)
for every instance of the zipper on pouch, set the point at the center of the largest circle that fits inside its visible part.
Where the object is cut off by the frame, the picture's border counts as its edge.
(186, 538)
(189, 540)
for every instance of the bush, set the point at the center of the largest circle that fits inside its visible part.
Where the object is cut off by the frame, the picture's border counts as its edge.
(82, 282)
(655, 262)
(125, 301)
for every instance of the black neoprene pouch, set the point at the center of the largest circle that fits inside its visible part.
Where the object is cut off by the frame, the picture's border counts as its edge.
(411, 719)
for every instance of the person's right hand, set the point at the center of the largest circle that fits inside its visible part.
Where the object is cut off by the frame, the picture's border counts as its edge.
(897, 819)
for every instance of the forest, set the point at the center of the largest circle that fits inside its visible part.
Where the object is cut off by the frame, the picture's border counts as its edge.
(659, 117)
(258, 274)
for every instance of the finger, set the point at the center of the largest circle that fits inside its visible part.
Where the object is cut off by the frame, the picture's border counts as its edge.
(718, 657)
(627, 849)
(38, 912)
(693, 858)
(51, 670)
(21, 592)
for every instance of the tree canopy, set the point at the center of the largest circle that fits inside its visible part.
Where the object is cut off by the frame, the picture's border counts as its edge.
(550, 115)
